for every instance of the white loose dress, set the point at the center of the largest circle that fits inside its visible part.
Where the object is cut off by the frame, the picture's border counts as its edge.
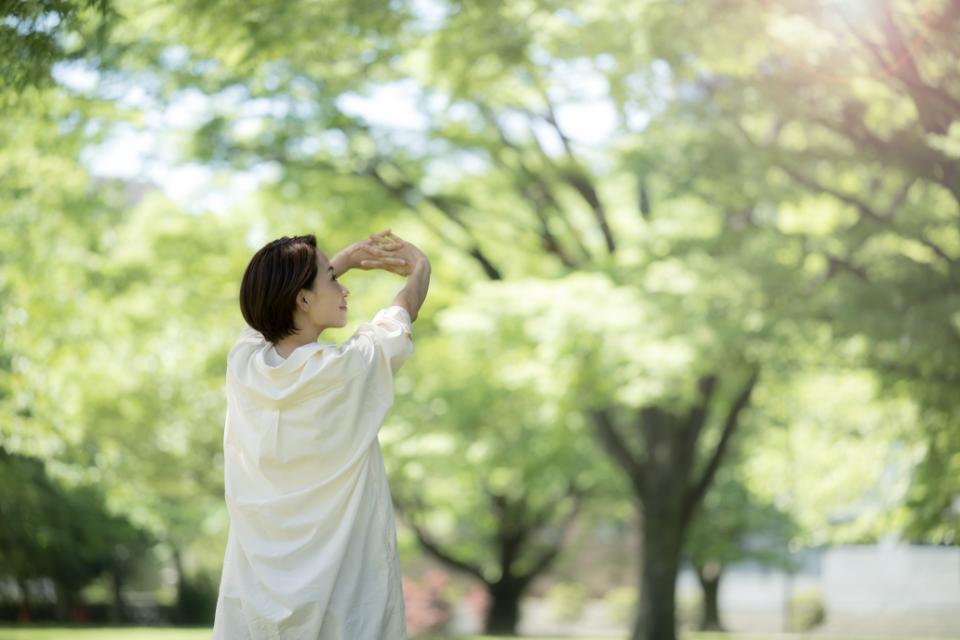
(312, 548)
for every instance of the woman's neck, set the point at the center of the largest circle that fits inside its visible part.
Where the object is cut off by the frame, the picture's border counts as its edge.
(286, 346)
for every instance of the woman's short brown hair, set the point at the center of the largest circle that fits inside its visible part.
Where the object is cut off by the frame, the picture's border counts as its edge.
(274, 277)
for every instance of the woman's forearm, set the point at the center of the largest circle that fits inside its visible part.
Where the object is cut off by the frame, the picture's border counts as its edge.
(413, 294)
(340, 263)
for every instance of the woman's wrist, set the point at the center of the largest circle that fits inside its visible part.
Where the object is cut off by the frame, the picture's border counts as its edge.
(341, 263)
(420, 261)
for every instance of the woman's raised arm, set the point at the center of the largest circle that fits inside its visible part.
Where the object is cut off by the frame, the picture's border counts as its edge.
(416, 268)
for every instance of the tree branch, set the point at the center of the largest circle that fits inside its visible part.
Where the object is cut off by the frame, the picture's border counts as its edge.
(404, 192)
(541, 518)
(643, 197)
(835, 263)
(534, 189)
(695, 493)
(545, 560)
(577, 178)
(434, 549)
(574, 232)
(697, 417)
(903, 68)
(617, 447)
(862, 207)
(581, 183)
(866, 211)
(906, 151)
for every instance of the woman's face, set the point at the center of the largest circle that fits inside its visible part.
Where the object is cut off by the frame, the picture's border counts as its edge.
(327, 298)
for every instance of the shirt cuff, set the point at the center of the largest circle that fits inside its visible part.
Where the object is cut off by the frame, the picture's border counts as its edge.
(397, 314)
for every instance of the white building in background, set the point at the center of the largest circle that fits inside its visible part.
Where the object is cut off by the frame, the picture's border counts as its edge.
(885, 589)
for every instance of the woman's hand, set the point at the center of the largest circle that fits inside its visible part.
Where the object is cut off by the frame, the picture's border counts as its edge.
(371, 254)
(399, 247)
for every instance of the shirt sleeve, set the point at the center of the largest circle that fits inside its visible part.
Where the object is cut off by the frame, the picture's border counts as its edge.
(386, 340)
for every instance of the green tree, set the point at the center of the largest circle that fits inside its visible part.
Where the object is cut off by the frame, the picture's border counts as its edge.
(843, 123)
(86, 278)
(62, 533)
(734, 525)
(36, 34)
(490, 463)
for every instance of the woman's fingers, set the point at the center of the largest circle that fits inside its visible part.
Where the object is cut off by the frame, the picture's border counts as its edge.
(383, 262)
(386, 237)
(385, 247)
(385, 243)
(386, 260)
(382, 252)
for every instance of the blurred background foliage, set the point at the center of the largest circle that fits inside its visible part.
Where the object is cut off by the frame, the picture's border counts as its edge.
(695, 275)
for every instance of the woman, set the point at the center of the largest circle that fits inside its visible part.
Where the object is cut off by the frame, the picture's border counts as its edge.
(311, 552)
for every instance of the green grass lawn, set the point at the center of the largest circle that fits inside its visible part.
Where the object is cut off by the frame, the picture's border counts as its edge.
(131, 633)
(147, 634)
(161, 634)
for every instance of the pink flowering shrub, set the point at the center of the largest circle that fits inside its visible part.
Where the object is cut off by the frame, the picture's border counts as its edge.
(427, 608)
(478, 603)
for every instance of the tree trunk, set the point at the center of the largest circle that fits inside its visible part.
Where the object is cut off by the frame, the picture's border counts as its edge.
(118, 611)
(658, 581)
(504, 612)
(178, 614)
(23, 615)
(666, 476)
(62, 609)
(709, 576)
(78, 609)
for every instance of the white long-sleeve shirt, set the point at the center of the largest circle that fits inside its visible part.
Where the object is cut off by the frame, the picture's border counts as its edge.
(312, 548)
